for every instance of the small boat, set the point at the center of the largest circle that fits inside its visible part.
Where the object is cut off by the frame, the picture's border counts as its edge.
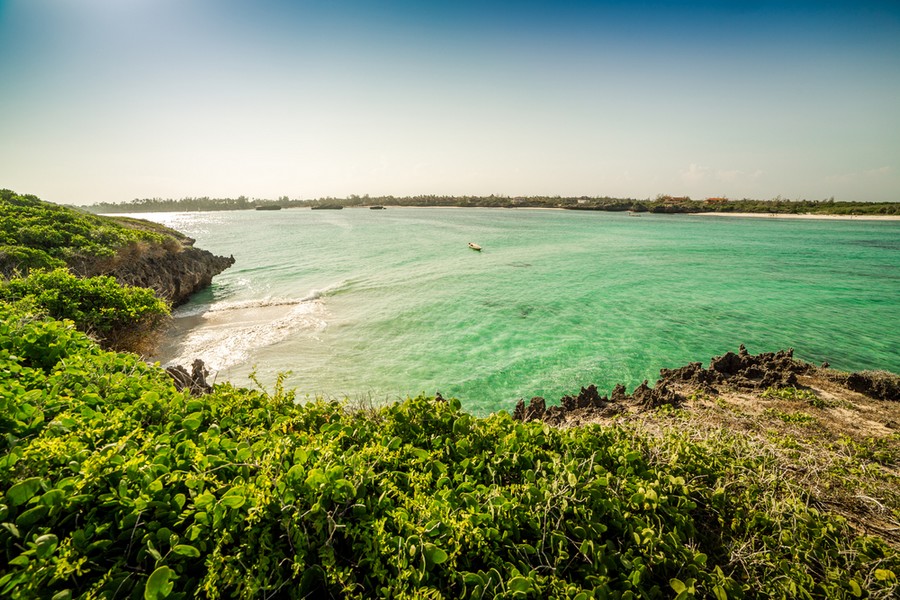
(474, 246)
(379, 207)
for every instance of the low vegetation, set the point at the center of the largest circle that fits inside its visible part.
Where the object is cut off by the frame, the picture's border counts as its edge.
(120, 317)
(117, 485)
(40, 235)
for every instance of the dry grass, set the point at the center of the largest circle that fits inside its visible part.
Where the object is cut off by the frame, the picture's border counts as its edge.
(839, 450)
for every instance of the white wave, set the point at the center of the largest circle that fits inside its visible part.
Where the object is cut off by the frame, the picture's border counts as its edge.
(231, 332)
(237, 305)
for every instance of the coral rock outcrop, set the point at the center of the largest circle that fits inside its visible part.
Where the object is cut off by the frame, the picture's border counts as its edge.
(738, 371)
(174, 270)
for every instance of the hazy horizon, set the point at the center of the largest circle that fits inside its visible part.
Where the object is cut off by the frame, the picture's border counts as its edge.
(106, 101)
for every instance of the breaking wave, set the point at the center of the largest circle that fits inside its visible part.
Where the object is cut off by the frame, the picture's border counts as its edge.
(231, 332)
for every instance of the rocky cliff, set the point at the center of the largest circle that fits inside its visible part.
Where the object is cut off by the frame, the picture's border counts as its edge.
(175, 269)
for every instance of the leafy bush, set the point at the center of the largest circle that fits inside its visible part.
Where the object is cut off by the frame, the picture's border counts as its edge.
(60, 232)
(120, 316)
(20, 259)
(115, 484)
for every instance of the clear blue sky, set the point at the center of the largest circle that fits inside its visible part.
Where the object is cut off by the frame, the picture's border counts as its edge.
(109, 100)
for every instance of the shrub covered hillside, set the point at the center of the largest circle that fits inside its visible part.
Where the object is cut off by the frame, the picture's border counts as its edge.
(116, 485)
(37, 234)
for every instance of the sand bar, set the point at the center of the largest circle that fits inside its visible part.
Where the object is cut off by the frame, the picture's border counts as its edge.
(802, 216)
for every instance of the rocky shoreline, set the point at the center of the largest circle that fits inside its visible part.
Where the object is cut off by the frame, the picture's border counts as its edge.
(175, 269)
(731, 372)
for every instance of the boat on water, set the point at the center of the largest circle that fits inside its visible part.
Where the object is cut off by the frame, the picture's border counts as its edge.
(474, 246)
(376, 208)
(327, 207)
(268, 207)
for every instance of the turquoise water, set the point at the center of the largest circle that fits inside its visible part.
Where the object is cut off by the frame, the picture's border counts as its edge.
(385, 304)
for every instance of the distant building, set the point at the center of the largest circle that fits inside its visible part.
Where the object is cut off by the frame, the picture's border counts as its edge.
(716, 200)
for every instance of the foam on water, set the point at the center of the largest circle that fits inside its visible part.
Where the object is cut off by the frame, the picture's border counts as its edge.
(228, 333)
(229, 336)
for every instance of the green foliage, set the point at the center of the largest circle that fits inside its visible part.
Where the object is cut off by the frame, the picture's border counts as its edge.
(20, 259)
(98, 305)
(56, 233)
(794, 394)
(117, 485)
(799, 417)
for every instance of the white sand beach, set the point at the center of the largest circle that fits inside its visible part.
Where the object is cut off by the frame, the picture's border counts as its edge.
(802, 216)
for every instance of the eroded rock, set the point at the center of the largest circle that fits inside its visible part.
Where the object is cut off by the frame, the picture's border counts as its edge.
(880, 385)
(174, 270)
(740, 371)
(195, 381)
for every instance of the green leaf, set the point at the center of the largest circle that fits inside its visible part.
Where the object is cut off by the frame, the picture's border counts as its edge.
(677, 585)
(233, 501)
(434, 555)
(854, 587)
(23, 491)
(295, 473)
(884, 575)
(193, 421)
(344, 490)
(159, 584)
(53, 497)
(520, 584)
(311, 581)
(186, 550)
(8, 461)
(32, 516)
(316, 478)
(45, 545)
(204, 499)
(153, 551)
(20, 561)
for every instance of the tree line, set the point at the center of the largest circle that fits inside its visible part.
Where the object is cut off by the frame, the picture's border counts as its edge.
(659, 204)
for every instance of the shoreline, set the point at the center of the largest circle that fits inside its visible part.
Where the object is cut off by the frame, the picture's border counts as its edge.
(805, 216)
(741, 215)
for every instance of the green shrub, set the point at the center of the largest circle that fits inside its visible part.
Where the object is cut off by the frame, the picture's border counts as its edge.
(21, 259)
(62, 233)
(120, 316)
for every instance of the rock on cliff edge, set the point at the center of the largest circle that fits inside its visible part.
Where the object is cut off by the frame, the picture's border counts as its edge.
(175, 269)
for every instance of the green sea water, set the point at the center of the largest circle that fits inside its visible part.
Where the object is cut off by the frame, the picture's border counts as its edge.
(384, 304)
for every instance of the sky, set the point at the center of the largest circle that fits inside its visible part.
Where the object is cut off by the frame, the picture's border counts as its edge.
(110, 100)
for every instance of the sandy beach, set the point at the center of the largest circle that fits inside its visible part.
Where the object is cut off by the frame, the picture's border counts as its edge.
(802, 216)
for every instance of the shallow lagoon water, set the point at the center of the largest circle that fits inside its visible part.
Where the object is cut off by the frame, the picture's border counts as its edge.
(384, 304)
